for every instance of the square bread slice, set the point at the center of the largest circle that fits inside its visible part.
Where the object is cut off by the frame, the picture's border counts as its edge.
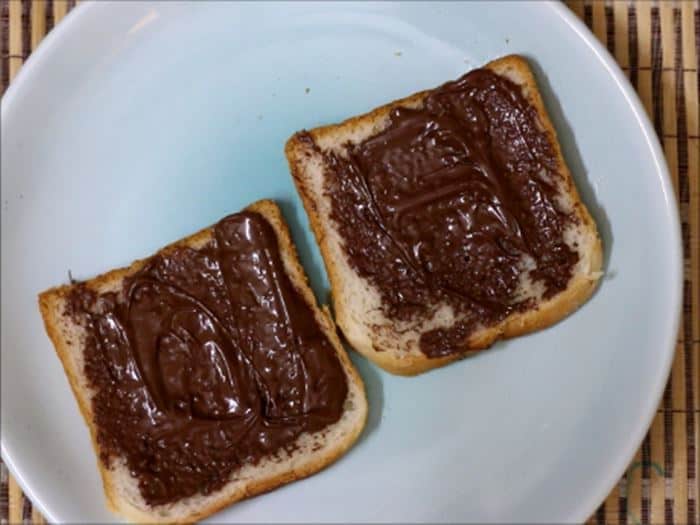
(380, 321)
(307, 454)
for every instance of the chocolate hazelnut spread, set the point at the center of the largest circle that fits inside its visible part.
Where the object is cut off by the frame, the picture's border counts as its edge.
(205, 361)
(453, 202)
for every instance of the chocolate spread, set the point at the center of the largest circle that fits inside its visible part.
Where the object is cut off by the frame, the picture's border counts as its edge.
(205, 361)
(448, 204)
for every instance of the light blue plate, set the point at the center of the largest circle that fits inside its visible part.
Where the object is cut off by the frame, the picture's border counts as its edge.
(135, 124)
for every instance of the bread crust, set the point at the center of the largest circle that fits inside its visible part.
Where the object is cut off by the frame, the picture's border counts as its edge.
(52, 305)
(397, 360)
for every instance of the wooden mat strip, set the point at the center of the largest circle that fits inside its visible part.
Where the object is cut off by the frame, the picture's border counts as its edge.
(656, 43)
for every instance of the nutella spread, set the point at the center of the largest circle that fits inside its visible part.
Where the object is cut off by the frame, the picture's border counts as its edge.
(452, 203)
(205, 361)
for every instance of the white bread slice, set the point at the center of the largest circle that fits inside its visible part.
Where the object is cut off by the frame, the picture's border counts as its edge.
(357, 304)
(312, 452)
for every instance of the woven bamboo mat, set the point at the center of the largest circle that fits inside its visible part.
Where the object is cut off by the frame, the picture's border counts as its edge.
(657, 43)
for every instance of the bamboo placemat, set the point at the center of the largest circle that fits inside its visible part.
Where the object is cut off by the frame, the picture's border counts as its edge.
(657, 43)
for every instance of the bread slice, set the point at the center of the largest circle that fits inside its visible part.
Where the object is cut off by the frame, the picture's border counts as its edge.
(394, 344)
(310, 453)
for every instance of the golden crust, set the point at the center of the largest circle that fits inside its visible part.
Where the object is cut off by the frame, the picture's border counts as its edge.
(547, 312)
(52, 303)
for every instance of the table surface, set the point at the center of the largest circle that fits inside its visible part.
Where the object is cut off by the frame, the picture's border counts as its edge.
(657, 43)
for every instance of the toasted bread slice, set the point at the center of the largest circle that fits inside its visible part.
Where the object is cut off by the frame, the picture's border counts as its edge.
(394, 344)
(310, 452)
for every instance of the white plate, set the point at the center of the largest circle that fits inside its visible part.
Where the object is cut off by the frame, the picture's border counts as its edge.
(135, 124)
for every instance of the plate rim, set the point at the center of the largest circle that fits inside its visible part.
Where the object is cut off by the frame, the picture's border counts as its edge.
(616, 470)
(603, 56)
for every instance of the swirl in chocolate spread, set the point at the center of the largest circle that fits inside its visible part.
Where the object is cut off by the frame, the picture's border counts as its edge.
(207, 360)
(449, 202)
